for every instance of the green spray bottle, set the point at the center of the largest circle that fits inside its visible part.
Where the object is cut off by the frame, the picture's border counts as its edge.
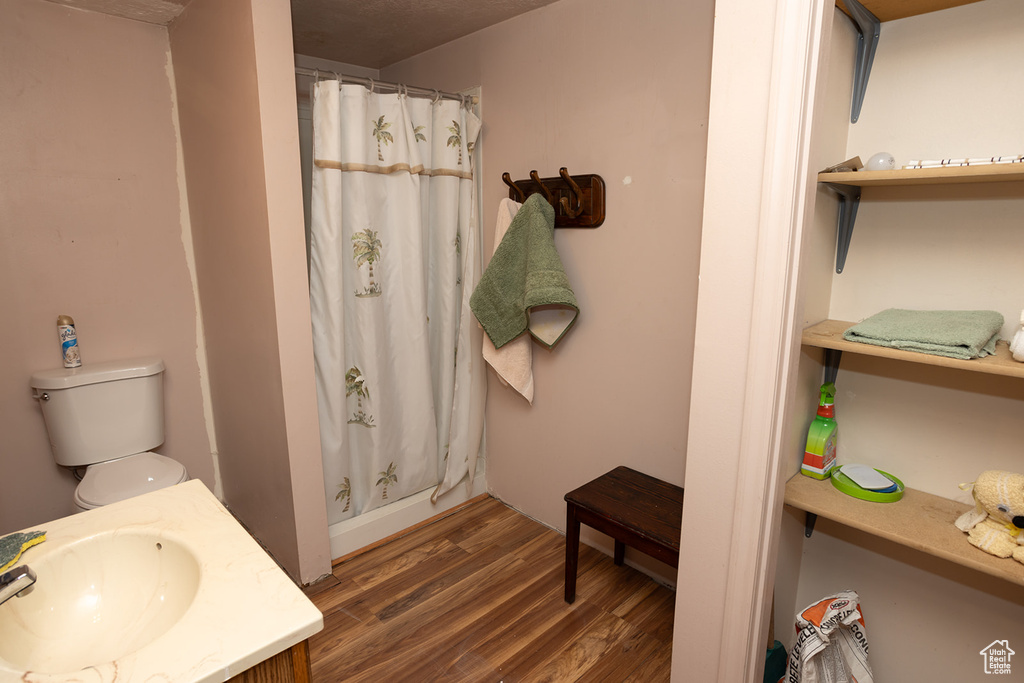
(820, 454)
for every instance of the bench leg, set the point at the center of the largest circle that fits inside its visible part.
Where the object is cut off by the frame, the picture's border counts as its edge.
(620, 552)
(572, 552)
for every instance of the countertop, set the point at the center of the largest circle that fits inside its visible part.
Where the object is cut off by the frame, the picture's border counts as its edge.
(245, 608)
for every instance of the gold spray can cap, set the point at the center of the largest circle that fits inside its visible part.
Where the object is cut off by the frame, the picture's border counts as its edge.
(65, 320)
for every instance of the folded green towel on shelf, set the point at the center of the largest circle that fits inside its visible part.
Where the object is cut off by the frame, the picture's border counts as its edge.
(524, 285)
(13, 545)
(955, 334)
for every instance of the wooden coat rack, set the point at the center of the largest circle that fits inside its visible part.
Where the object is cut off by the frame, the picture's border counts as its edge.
(578, 200)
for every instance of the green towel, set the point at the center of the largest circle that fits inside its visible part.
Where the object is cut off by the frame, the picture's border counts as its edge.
(955, 334)
(524, 273)
(12, 546)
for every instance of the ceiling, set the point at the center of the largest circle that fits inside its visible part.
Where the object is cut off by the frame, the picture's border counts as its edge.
(370, 33)
(378, 33)
(150, 11)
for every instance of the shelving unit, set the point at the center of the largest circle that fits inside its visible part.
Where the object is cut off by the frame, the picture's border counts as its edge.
(828, 334)
(867, 16)
(949, 175)
(942, 236)
(919, 520)
(848, 184)
(888, 10)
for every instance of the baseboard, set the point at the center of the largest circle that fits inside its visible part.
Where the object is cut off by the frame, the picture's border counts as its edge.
(368, 529)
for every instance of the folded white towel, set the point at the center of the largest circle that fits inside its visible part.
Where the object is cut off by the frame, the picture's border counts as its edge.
(514, 360)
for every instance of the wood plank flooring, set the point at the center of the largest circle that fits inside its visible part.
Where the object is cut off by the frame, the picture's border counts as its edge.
(476, 597)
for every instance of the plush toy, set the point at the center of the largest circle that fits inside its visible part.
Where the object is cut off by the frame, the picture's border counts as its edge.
(995, 524)
(1017, 343)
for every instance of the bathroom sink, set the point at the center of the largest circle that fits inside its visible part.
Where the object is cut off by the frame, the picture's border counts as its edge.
(96, 600)
(164, 587)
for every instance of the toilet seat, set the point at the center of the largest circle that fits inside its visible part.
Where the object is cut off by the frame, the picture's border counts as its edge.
(115, 480)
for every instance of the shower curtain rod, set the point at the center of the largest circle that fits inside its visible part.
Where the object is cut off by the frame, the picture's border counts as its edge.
(373, 83)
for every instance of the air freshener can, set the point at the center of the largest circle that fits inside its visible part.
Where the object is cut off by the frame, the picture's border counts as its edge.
(68, 342)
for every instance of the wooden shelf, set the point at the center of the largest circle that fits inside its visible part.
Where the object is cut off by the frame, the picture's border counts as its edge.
(828, 334)
(887, 10)
(919, 520)
(948, 175)
(848, 185)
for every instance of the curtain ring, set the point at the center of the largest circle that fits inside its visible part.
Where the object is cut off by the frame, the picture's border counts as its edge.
(437, 97)
(372, 85)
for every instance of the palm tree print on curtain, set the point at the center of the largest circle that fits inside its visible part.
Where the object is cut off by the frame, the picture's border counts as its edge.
(355, 383)
(456, 139)
(400, 380)
(458, 254)
(380, 131)
(387, 478)
(366, 247)
(345, 493)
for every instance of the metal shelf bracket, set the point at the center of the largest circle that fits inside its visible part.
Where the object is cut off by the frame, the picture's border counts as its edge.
(809, 521)
(869, 28)
(832, 359)
(849, 201)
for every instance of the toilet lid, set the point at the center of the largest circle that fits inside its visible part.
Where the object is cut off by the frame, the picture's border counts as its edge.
(116, 480)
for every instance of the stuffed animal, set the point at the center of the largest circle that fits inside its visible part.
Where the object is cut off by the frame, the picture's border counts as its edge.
(1017, 343)
(995, 524)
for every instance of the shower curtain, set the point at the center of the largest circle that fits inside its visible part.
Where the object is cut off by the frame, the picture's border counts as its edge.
(394, 257)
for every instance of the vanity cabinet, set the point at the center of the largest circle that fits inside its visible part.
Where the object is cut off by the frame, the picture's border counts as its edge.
(290, 666)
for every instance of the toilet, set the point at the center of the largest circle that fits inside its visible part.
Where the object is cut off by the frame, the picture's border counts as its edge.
(106, 417)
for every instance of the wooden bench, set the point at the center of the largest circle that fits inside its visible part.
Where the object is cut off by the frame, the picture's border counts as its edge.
(633, 508)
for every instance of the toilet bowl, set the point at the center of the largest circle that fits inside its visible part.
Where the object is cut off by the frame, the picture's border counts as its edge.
(115, 480)
(107, 418)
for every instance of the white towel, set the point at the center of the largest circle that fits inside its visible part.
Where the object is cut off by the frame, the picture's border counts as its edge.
(513, 361)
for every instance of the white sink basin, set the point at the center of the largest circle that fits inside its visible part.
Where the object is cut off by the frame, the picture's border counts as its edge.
(96, 600)
(166, 587)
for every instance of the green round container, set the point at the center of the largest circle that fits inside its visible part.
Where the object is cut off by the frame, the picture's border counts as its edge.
(846, 485)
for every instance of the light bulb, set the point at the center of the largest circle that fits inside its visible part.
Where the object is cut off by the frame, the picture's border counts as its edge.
(883, 161)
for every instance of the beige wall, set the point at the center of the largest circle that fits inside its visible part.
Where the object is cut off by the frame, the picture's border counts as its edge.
(90, 225)
(942, 85)
(621, 90)
(272, 26)
(231, 60)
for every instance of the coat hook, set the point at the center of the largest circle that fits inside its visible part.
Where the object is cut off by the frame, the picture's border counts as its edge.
(543, 188)
(571, 213)
(520, 195)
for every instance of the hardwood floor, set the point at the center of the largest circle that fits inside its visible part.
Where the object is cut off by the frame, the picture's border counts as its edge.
(478, 597)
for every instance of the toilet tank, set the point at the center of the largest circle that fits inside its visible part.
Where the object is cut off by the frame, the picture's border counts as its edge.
(102, 411)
